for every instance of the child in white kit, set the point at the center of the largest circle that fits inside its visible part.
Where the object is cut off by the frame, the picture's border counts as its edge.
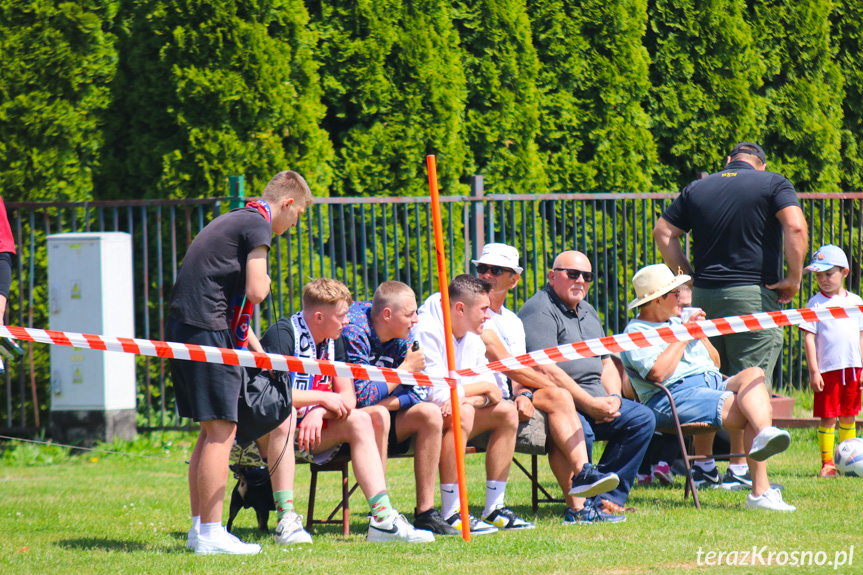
(833, 352)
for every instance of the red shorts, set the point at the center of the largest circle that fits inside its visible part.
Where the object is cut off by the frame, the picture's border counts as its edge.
(839, 399)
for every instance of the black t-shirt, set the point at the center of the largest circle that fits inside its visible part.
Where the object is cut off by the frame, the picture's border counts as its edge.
(214, 269)
(736, 238)
(279, 338)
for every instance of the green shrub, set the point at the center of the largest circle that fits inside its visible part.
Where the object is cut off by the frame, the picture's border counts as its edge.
(209, 89)
(705, 74)
(57, 62)
(594, 132)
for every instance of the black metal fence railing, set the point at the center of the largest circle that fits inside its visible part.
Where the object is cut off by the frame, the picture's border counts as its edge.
(362, 242)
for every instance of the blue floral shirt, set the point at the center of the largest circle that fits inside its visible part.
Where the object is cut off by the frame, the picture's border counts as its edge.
(364, 347)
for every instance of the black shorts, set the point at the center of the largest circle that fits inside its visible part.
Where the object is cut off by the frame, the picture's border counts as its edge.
(204, 391)
(393, 445)
(5, 273)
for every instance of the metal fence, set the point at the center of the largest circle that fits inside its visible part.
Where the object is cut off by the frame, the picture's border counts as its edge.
(362, 242)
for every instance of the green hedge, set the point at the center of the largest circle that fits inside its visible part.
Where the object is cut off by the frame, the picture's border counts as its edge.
(166, 98)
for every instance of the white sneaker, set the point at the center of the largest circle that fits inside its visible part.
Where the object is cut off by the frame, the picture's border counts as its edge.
(290, 530)
(477, 527)
(396, 528)
(192, 540)
(769, 442)
(225, 543)
(770, 499)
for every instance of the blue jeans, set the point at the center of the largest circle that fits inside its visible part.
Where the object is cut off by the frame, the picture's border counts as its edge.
(628, 438)
(699, 397)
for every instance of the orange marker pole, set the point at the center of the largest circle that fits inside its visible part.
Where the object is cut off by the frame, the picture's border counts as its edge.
(443, 282)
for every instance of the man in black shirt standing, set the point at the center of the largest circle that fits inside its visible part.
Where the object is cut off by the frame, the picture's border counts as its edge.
(737, 218)
(228, 258)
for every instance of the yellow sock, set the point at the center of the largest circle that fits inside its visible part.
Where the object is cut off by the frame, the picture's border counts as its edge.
(847, 432)
(825, 442)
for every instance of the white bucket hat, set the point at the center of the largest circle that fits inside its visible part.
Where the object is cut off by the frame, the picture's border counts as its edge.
(499, 255)
(650, 282)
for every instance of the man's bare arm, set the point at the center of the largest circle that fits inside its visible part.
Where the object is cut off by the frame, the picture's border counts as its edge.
(796, 242)
(495, 351)
(610, 377)
(667, 238)
(257, 279)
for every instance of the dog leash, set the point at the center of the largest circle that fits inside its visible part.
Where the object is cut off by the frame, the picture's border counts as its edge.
(289, 439)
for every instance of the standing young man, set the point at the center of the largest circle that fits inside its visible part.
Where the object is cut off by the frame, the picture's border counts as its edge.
(228, 257)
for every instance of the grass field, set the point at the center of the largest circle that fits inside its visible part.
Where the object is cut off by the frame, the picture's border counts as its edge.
(101, 513)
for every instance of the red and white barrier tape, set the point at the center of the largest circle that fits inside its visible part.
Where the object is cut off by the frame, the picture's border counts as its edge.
(649, 338)
(590, 348)
(210, 354)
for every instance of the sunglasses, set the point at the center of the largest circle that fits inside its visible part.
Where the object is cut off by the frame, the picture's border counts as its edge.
(675, 293)
(495, 270)
(574, 274)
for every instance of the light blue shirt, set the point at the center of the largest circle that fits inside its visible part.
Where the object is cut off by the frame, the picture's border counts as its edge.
(695, 360)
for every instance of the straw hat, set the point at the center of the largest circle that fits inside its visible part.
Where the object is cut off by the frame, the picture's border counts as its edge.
(650, 282)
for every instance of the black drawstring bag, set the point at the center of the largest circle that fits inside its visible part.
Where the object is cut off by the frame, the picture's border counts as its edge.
(264, 404)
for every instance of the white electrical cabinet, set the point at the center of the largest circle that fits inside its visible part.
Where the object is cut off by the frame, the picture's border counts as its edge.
(90, 291)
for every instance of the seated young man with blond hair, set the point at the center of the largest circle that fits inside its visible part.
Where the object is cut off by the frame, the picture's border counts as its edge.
(325, 417)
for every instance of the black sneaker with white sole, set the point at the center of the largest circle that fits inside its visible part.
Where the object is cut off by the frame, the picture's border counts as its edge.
(591, 482)
(706, 478)
(433, 521)
(477, 527)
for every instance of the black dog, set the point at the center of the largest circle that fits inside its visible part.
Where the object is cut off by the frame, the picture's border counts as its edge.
(255, 490)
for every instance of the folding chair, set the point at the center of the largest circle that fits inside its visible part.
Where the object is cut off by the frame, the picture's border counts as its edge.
(681, 430)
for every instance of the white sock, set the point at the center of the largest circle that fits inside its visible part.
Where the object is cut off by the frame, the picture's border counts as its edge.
(706, 464)
(449, 496)
(210, 530)
(196, 523)
(738, 468)
(494, 494)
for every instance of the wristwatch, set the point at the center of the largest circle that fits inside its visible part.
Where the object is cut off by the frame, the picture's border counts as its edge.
(527, 394)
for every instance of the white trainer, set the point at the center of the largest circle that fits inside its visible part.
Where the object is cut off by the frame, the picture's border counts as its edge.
(396, 528)
(770, 500)
(477, 527)
(290, 530)
(225, 543)
(770, 441)
(192, 540)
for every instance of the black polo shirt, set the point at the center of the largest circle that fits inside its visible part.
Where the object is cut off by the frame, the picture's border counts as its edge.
(736, 238)
(549, 322)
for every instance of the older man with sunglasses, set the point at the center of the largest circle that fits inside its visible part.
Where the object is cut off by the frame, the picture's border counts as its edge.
(503, 335)
(560, 314)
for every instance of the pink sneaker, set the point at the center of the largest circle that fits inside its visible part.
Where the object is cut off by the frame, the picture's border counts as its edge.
(662, 473)
(644, 479)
